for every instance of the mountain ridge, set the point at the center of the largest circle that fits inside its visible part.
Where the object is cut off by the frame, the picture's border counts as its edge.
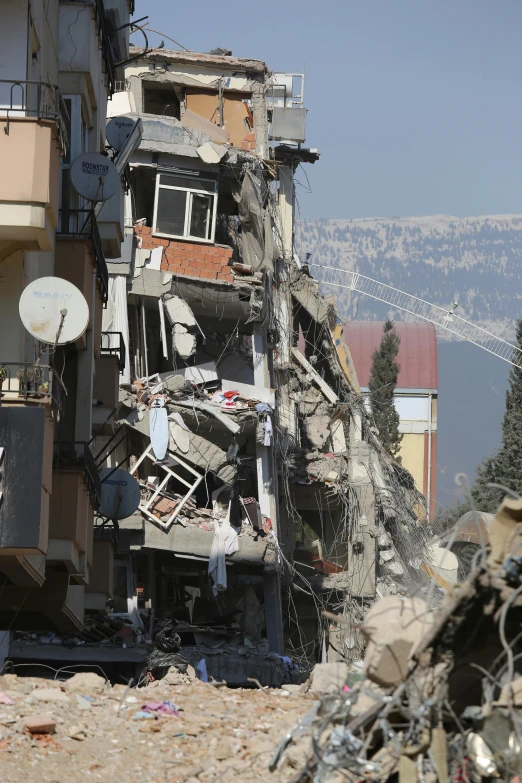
(439, 258)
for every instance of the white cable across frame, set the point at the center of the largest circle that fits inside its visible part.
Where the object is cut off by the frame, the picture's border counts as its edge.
(445, 319)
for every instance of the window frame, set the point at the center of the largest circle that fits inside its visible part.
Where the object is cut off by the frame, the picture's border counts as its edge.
(188, 206)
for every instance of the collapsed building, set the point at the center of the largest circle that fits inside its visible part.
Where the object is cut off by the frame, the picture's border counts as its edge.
(266, 501)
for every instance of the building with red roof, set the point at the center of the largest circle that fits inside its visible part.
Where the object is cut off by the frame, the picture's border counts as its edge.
(415, 394)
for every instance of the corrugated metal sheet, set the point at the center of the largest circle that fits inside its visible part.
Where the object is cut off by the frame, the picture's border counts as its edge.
(417, 353)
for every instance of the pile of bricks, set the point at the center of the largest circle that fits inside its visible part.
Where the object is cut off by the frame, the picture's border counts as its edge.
(193, 259)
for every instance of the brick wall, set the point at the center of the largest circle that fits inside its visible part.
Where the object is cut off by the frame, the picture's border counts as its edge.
(190, 258)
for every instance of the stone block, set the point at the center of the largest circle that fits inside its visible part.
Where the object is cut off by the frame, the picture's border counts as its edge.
(329, 677)
(40, 724)
(393, 628)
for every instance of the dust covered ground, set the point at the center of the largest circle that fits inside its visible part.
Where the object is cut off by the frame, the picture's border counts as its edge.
(101, 733)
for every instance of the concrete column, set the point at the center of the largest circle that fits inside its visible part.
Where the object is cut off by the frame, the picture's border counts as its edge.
(260, 119)
(362, 561)
(273, 611)
(268, 502)
(286, 413)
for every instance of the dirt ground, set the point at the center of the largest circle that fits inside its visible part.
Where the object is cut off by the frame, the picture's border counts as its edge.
(220, 734)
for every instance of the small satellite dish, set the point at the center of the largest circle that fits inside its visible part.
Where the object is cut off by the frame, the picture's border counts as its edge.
(54, 310)
(120, 494)
(118, 131)
(94, 176)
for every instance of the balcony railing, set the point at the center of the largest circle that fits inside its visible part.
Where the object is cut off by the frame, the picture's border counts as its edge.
(42, 100)
(82, 224)
(32, 381)
(68, 454)
(113, 343)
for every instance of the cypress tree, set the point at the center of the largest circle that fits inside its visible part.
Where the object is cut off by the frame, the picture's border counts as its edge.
(504, 467)
(382, 383)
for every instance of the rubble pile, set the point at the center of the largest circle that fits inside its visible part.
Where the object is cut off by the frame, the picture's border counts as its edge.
(173, 730)
(438, 696)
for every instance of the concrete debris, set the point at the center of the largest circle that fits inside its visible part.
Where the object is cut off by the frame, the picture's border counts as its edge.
(183, 343)
(193, 732)
(393, 628)
(39, 724)
(178, 311)
(49, 695)
(86, 682)
(443, 696)
(329, 677)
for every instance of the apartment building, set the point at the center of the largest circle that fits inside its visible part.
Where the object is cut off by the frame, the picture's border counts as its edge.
(217, 377)
(58, 66)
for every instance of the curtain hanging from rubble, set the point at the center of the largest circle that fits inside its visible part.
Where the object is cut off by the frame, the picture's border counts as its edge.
(258, 246)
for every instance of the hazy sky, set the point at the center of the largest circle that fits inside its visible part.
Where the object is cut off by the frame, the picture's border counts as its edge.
(414, 105)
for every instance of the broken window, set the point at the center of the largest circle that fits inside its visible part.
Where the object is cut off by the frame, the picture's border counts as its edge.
(185, 207)
(160, 99)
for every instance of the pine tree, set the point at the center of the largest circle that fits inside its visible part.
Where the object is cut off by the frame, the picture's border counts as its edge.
(504, 467)
(382, 383)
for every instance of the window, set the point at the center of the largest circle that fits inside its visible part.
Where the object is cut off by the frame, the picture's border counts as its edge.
(185, 207)
(160, 99)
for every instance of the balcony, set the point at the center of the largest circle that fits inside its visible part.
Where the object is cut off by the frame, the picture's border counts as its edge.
(76, 456)
(81, 224)
(113, 344)
(33, 118)
(28, 382)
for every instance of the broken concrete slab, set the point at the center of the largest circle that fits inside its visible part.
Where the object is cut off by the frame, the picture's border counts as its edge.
(329, 677)
(196, 542)
(508, 516)
(394, 627)
(178, 311)
(211, 152)
(183, 343)
(306, 291)
(195, 122)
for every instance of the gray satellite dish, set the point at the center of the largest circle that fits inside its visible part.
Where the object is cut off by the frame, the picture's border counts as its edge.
(120, 494)
(54, 310)
(118, 131)
(94, 176)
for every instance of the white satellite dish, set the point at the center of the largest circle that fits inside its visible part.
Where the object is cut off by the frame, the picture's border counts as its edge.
(94, 176)
(120, 494)
(54, 310)
(118, 131)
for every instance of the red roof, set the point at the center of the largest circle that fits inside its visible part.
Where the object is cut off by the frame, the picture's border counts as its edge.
(417, 353)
